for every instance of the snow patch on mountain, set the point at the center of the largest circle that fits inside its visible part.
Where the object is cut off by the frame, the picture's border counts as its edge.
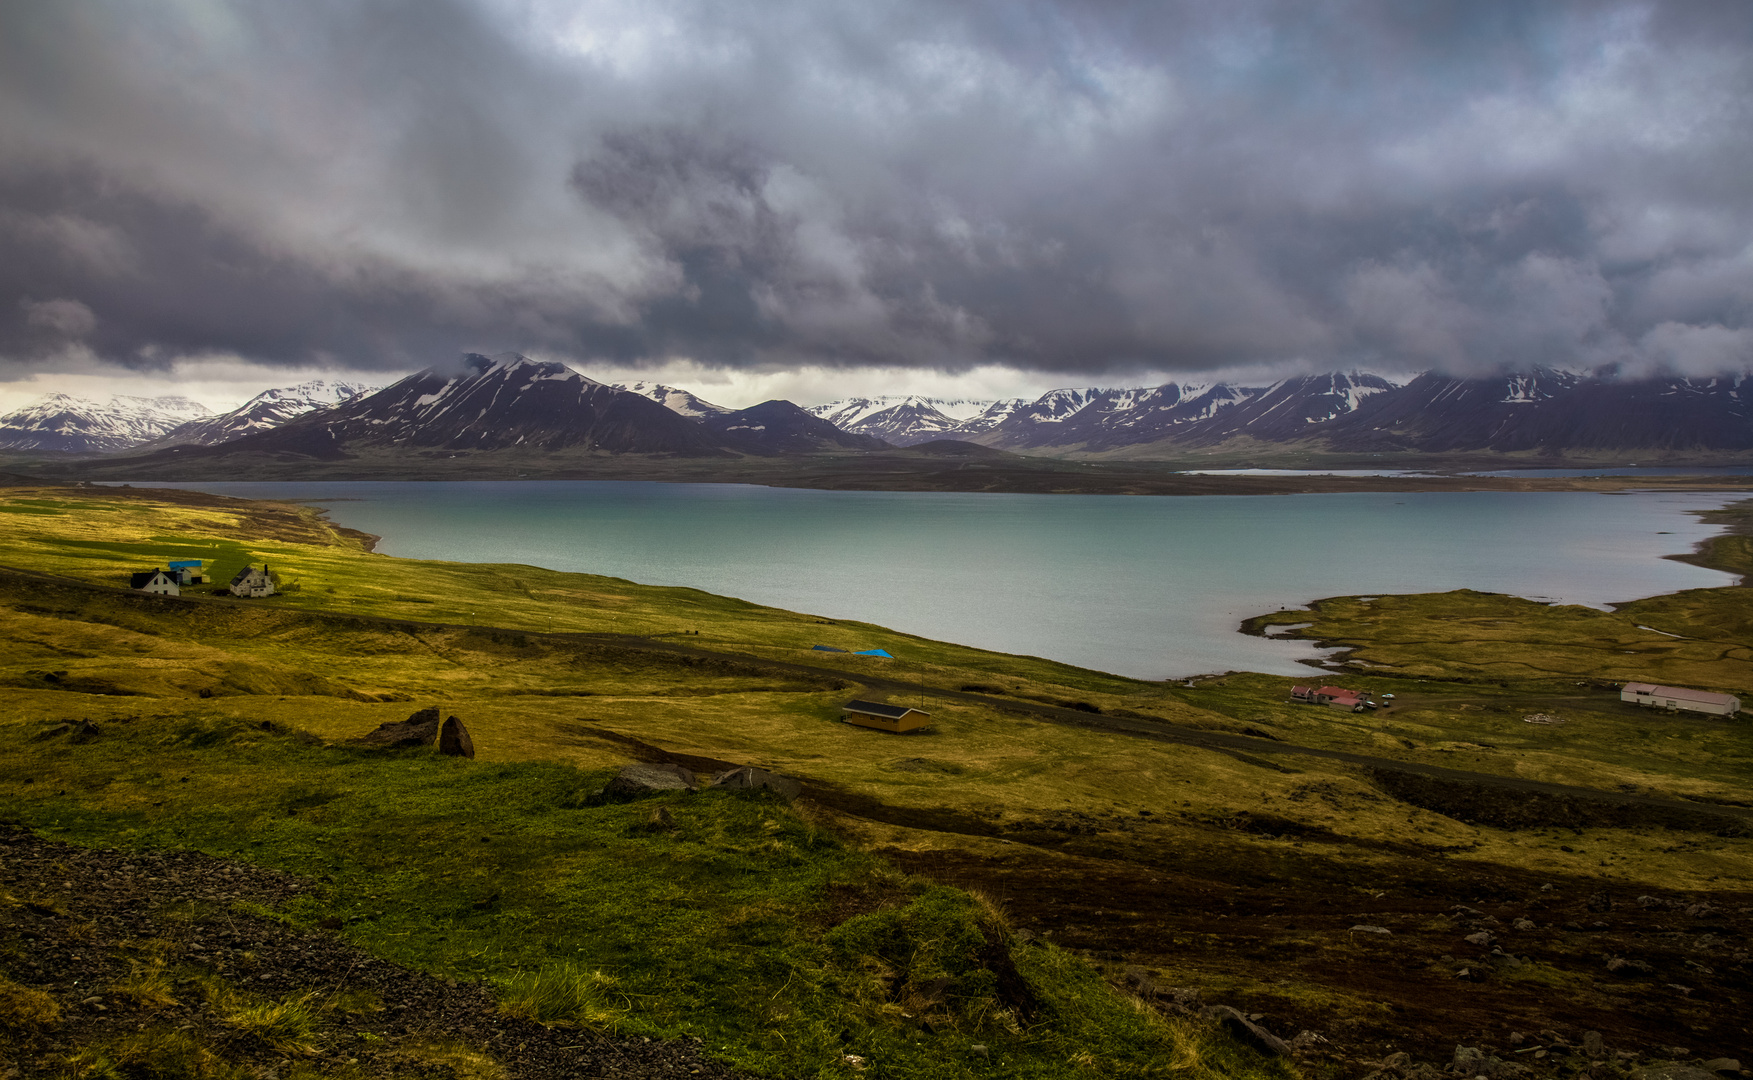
(676, 400)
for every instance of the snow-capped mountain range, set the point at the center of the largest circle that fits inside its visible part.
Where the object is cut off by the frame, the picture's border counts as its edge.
(264, 412)
(67, 424)
(907, 420)
(511, 402)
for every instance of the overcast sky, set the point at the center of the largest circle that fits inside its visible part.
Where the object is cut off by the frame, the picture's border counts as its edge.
(853, 195)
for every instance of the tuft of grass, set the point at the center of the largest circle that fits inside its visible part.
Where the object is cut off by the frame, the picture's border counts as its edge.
(154, 1054)
(24, 1009)
(148, 982)
(288, 1024)
(931, 961)
(564, 994)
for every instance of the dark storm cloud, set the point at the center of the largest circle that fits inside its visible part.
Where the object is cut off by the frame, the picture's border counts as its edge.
(1095, 187)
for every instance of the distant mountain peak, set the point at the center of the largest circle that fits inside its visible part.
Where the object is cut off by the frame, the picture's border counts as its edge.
(66, 424)
(264, 412)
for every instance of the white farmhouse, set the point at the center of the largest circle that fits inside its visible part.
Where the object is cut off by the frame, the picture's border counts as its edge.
(155, 581)
(1678, 697)
(252, 582)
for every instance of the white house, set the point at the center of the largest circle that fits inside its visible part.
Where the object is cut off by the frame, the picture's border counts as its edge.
(252, 582)
(1678, 697)
(155, 581)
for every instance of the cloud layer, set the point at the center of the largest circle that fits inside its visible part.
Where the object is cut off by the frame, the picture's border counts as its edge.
(1080, 187)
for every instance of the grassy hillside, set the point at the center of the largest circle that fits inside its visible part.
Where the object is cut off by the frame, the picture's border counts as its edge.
(1237, 873)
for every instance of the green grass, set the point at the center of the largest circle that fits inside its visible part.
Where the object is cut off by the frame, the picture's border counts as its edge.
(717, 925)
(732, 921)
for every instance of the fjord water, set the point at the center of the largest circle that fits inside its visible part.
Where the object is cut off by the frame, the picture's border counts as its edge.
(1151, 587)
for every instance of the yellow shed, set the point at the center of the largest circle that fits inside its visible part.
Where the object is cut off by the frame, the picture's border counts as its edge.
(875, 714)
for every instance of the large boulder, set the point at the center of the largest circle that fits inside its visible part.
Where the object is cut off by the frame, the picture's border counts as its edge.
(635, 781)
(454, 741)
(749, 778)
(417, 730)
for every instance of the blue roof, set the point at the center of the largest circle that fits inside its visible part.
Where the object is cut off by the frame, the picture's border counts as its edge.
(827, 648)
(195, 563)
(872, 652)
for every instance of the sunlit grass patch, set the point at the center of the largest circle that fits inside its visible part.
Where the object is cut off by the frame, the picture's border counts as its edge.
(24, 1009)
(158, 1053)
(149, 981)
(564, 994)
(288, 1024)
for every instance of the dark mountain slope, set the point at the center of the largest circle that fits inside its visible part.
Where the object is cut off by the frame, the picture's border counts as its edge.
(1553, 412)
(779, 427)
(500, 404)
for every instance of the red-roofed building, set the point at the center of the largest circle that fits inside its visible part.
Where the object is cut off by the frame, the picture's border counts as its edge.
(1334, 697)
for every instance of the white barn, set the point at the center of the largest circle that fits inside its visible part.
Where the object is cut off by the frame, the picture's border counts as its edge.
(1652, 696)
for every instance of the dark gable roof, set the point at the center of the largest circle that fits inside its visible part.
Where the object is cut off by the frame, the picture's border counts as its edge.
(142, 579)
(242, 574)
(877, 708)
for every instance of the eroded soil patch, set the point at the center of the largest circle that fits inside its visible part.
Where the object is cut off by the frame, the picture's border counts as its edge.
(1662, 976)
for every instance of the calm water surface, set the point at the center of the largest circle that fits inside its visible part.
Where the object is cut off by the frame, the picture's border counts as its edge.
(1148, 587)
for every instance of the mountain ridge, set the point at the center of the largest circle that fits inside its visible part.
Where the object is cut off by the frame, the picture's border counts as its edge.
(63, 423)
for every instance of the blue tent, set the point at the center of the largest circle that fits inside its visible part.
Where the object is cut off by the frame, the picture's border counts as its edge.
(873, 652)
(827, 648)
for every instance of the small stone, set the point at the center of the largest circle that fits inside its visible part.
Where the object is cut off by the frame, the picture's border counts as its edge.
(1363, 929)
(1594, 1046)
(1524, 924)
(1723, 1065)
(1483, 937)
(1397, 1063)
(978, 1048)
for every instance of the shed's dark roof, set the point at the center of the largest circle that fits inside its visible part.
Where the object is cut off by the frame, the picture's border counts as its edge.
(877, 708)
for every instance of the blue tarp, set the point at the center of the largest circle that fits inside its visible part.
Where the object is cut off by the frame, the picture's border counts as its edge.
(185, 564)
(827, 648)
(872, 652)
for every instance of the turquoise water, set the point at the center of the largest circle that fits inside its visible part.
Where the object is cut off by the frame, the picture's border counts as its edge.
(1148, 587)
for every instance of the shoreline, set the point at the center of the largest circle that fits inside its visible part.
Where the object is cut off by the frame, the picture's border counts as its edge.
(877, 471)
(1308, 655)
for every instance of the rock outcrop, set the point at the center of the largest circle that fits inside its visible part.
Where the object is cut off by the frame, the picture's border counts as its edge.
(417, 730)
(635, 781)
(454, 741)
(749, 778)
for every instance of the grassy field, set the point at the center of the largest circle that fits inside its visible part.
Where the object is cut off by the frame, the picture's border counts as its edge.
(990, 797)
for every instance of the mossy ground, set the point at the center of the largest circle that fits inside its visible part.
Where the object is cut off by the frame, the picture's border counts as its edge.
(418, 847)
